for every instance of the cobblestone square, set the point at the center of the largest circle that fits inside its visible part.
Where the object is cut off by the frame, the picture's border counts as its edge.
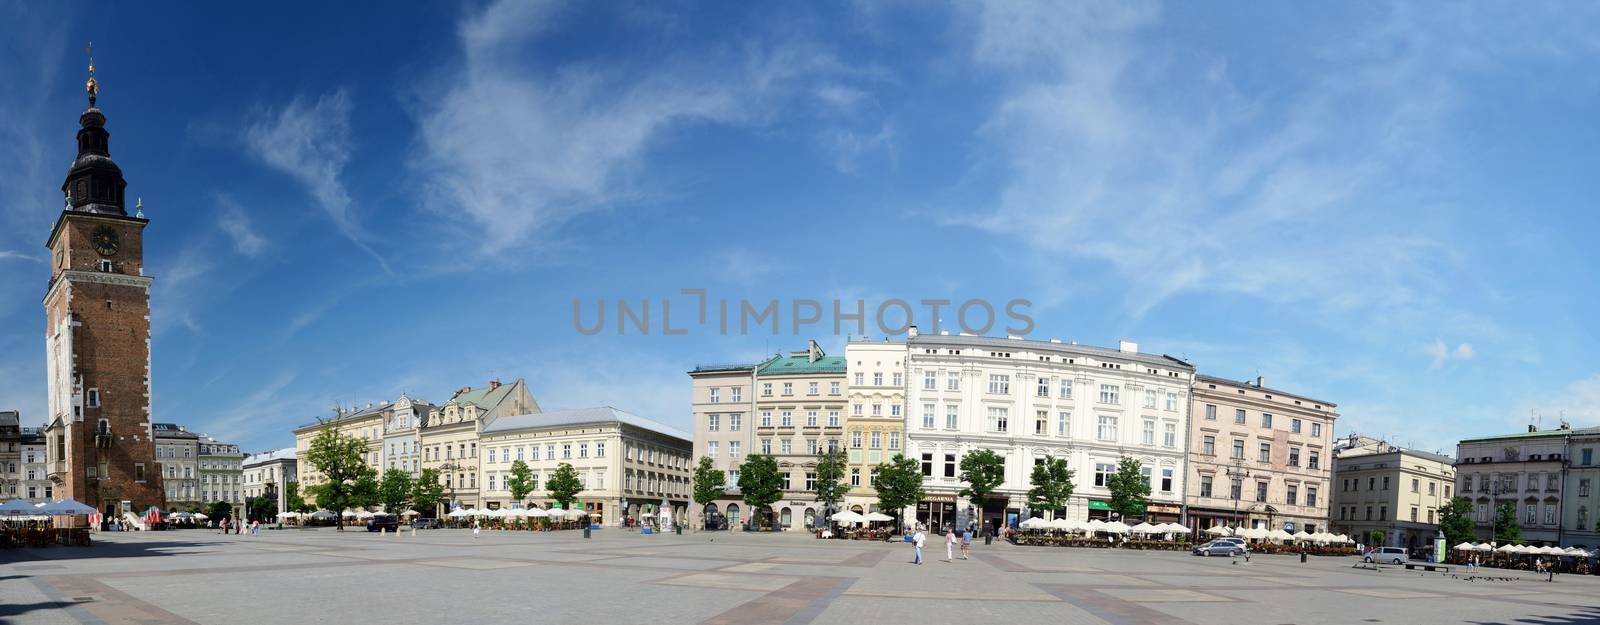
(319, 575)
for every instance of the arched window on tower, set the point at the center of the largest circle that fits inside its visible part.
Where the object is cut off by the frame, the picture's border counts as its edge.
(103, 427)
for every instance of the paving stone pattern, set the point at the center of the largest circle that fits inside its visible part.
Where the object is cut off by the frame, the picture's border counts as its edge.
(320, 575)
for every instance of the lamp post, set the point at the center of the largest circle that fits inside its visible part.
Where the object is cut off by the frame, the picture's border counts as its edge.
(1238, 472)
(449, 468)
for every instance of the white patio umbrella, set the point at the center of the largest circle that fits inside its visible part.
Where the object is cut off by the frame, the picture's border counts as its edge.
(1219, 530)
(348, 514)
(364, 514)
(459, 513)
(410, 513)
(288, 515)
(1553, 550)
(1145, 528)
(1063, 525)
(65, 506)
(1508, 549)
(537, 513)
(1034, 523)
(1484, 547)
(1341, 538)
(1464, 547)
(200, 516)
(1279, 535)
(1176, 528)
(1115, 527)
(1094, 525)
(1577, 553)
(847, 517)
(877, 517)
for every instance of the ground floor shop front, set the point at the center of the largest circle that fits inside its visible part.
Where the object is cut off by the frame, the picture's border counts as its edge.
(1266, 518)
(941, 510)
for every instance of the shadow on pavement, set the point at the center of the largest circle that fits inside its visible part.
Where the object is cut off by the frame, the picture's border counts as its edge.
(1589, 616)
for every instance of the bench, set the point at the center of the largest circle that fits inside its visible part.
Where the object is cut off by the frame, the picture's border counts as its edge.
(1427, 566)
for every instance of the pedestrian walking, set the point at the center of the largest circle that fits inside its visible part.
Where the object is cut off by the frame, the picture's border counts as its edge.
(949, 543)
(474, 528)
(919, 540)
(966, 543)
(255, 527)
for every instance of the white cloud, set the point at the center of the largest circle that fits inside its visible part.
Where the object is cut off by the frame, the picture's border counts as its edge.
(235, 222)
(310, 142)
(849, 146)
(1578, 403)
(1441, 353)
(5, 254)
(510, 150)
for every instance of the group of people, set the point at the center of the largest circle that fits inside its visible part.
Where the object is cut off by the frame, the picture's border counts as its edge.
(920, 539)
(238, 527)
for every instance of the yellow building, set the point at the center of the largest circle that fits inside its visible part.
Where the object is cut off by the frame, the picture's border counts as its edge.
(875, 424)
(365, 423)
(449, 437)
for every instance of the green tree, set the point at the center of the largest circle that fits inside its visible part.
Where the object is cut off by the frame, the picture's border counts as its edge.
(340, 462)
(1052, 485)
(394, 492)
(292, 498)
(1455, 521)
(264, 509)
(427, 491)
(1130, 489)
(830, 484)
(709, 484)
(899, 484)
(761, 485)
(564, 485)
(219, 510)
(1506, 529)
(983, 471)
(1377, 537)
(521, 481)
(364, 494)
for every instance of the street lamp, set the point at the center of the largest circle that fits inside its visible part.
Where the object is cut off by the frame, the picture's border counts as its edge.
(1238, 472)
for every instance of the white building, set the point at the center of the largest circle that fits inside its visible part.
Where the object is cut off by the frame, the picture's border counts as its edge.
(1026, 400)
(401, 425)
(36, 484)
(268, 474)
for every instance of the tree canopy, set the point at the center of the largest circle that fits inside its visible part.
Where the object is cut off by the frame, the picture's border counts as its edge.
(394, 492)
(1130, 489)
(521, 481)
(1455, 521)
(292, 499)
(709, 482)
(426, 491)
(983, 471)
(1052, 485)
(830, 484)
(564, 486)
(760, 484)
(343, 474)
(1506, 529)
(899, 484)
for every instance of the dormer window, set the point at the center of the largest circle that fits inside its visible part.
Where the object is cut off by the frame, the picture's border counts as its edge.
(105, 266)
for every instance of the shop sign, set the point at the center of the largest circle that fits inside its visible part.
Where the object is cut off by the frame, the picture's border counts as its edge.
(940, 498)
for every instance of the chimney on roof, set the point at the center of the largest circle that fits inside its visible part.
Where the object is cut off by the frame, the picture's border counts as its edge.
(1533, 428)
(813, 351)
(1261, 380)
(912, 332)
(369, 404)
(494, 384)
(465, 389)
(1127, 347)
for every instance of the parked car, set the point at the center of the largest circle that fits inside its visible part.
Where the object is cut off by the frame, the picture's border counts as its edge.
(1391, 555)
(425, 524)
(383, 522)
(1222, 547)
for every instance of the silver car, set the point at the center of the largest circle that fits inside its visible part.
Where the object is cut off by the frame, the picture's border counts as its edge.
(1222, 547)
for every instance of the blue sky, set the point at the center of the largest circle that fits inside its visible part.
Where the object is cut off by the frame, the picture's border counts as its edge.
(1386, 207)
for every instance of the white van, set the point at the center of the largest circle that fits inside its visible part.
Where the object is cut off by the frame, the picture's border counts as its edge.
(1388, 555)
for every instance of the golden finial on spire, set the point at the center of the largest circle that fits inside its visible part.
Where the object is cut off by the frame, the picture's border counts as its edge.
(93, 86)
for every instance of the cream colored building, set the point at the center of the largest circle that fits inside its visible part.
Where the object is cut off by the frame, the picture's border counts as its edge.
(1527, 470)
(221, 474)
(875, 423)
(1382, 487)
(449, 436)
(1580, 526)
(800, 410)
(366, 424)
(722, 402)
(1258, 457)
(1027, 400)
(628, 465)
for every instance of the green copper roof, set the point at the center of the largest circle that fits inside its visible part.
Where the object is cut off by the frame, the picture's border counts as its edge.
(801, 365)
(1519, 435)
(483, 397)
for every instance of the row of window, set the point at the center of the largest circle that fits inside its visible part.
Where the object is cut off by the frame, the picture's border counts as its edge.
(1295, 425)
(1291, 494)
(786, 418)
(1208, 447)
(499, 455)
(813, 389)
(1508, 482)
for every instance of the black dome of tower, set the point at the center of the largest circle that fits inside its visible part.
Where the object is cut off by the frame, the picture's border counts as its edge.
(94, 184)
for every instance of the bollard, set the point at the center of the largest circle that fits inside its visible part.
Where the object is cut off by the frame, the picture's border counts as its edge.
(679, 528)
(988, 540)
(1302, 557)
(585, 531)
